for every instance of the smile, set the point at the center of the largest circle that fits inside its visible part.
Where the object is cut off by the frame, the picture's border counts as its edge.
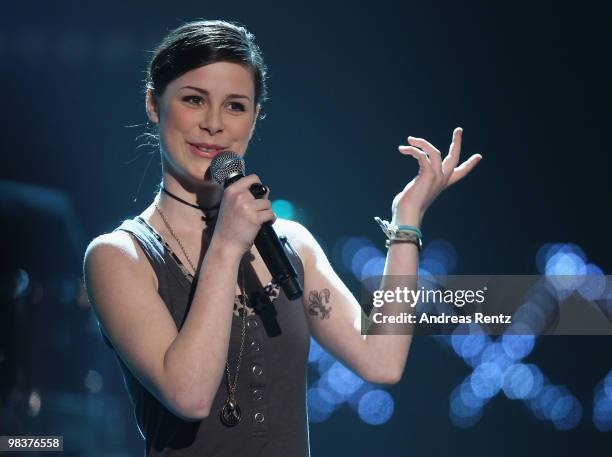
(208, 153)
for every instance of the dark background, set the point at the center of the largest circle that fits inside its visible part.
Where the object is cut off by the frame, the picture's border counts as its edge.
(348, 83)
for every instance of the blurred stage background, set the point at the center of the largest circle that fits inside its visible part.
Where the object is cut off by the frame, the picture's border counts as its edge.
(348, 83)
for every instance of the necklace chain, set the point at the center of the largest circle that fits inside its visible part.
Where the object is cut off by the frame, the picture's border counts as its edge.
(230, 386)
(167, 224)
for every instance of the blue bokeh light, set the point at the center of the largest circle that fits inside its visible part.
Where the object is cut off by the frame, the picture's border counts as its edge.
(547, 399)
(335, 397)
(463, 414)
(361, 257)
(602, 407)
(326, 360)
(494, 353)
(607, 385)
(468, 342)
(350, 248)
(319, 405)
(441, 252)
(538, 381)
(468, 397)
(517, 346)
(486, 380)
(433, 266)
(531, 315)
(566, 412)
(518, 381)
(594, 284)
(602, 414)
(316, 351)
(566, 271)
(342, 380)
(354, 399)
(374, 267)
(549, 250)
(376, 407)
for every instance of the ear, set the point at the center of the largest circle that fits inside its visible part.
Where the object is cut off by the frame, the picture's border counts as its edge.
(254, 121)
(152, 107)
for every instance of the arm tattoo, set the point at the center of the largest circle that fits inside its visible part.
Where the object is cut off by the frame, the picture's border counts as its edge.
(315, 303)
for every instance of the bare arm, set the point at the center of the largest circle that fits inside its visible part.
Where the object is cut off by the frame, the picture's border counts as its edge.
(182, 369)
(334, 314)
(333, 311)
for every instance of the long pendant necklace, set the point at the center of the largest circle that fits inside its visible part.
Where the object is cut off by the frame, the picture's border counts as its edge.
(231, 413)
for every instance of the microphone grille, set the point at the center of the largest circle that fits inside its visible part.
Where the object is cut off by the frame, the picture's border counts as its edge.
(225, 165)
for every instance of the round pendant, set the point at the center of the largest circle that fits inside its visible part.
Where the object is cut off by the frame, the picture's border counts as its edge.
(230, 414)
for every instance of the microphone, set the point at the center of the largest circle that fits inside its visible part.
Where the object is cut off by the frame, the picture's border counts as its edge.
(228, 167)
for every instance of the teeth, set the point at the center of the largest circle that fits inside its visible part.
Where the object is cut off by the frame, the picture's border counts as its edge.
(206, 149)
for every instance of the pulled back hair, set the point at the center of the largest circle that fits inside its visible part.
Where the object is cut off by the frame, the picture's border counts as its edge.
(202, 42)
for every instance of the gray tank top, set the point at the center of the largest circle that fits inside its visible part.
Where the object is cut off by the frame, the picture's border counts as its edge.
(272, 381)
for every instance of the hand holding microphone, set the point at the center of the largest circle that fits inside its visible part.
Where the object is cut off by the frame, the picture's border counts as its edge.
(241, 215)
(245, 217)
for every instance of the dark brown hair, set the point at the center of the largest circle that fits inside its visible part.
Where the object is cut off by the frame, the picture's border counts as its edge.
(202, 42)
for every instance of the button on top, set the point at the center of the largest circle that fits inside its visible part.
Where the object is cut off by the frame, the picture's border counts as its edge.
(252, 323)
(255, 346)
(259, 417)
(257, 370)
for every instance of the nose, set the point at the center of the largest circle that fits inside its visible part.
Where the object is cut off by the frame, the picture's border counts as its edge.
(212, 121)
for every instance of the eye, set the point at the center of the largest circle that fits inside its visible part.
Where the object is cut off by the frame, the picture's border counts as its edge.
(238, 106)
(195, 98)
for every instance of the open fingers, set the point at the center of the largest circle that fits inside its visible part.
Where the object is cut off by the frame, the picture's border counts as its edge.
(424, 163)
(462, 170)
(454, 151)
(433, 153)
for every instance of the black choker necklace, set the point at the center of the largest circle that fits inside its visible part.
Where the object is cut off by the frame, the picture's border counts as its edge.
(209, 213)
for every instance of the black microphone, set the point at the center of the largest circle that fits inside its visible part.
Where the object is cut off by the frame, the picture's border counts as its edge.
(228, 167)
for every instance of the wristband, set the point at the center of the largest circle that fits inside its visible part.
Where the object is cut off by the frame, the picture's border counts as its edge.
(400, 233)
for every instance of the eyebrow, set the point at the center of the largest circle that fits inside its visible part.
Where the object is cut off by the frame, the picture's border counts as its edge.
(205, 92)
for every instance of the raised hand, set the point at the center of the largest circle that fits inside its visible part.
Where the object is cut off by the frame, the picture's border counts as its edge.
(433, 177)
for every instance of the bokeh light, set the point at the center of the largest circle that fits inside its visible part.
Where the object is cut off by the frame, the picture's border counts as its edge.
(320, 406)
(463, 414)
(566, 412)
(518, 381)
(486, 380)
(376, 407)
(594, 284)
(441, 252)
(361, 257)
(342, 380)
(517, 346)
(283, 209)
(316, 351)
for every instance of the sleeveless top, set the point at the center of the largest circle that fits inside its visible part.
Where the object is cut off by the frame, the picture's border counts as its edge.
(271, 388)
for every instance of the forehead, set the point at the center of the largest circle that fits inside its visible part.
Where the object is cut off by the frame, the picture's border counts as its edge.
(218, 78)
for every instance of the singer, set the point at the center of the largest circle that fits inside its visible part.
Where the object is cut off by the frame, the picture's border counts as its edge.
(213, 352)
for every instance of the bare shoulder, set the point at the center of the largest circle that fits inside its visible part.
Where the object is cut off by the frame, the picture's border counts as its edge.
(132, 314)
(299, 237)
(117, 251)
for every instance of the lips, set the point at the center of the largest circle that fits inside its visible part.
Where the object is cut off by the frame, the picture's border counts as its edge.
(208, 151)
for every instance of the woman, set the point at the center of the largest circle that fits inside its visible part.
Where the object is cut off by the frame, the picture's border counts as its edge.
(183, 297)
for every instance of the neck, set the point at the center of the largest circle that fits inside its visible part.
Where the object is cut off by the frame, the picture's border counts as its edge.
(181, 216)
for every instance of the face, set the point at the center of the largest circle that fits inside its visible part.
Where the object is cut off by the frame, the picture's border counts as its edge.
(211, 105)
